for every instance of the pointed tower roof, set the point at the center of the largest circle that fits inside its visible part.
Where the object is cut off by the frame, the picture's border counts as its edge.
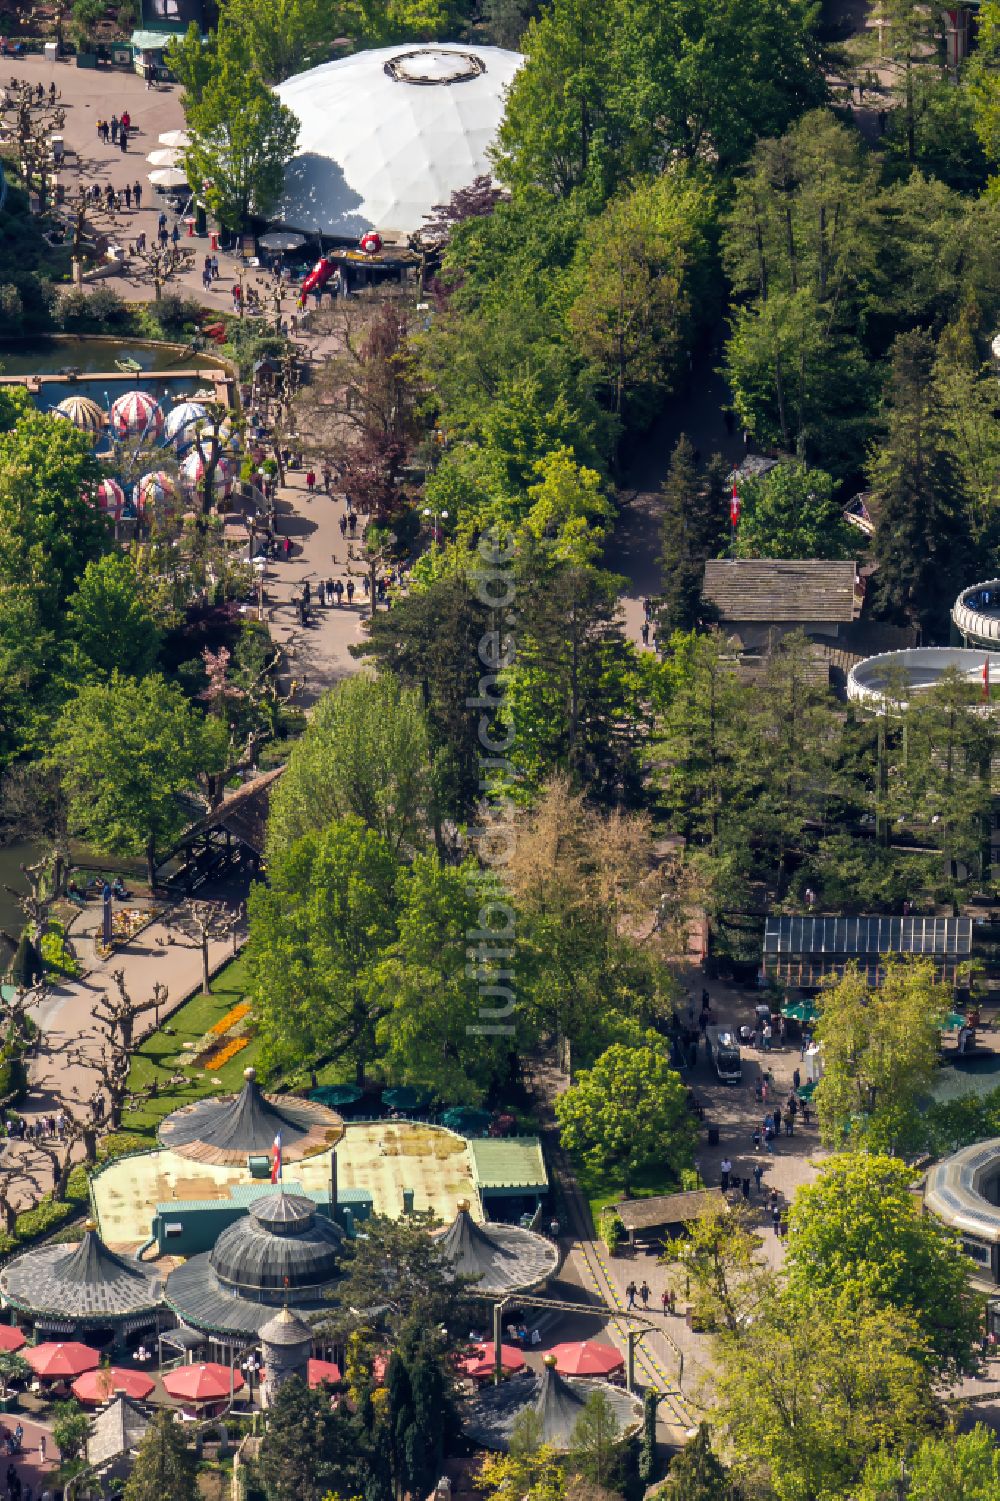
(558, 1400)
(502, 1258)
(226, 1129)
(287, 1330)
(82, 1284)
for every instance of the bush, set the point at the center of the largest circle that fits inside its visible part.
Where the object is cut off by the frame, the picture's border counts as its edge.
(120, 1144)
(611, 1230)
(46, 1215)
(78, 1184)
(101, 311)
(55, 955)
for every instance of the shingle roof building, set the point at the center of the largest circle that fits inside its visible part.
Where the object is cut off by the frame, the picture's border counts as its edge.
(226, 1130)
(781, 591)
(83, 1286)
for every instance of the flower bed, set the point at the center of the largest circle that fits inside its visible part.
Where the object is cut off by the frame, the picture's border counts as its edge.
(227, 1051)
(227, 1022)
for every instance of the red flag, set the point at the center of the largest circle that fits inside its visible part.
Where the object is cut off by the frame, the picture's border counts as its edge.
(735, 507)
(986, 678)
(276, 1160)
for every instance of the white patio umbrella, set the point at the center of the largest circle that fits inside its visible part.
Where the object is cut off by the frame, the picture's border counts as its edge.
(281, 239)
(166, 158)
(176, 138)
(168, 177)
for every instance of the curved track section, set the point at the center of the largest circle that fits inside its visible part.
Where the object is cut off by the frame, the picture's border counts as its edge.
(976, 614)
(894, 677)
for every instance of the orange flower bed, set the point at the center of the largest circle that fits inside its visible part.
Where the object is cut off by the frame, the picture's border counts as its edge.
(230, 1019)
(227, 1051)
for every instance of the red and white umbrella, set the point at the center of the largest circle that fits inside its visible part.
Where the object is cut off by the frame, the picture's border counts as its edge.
(208, 1382)
(53, 1360)
(587, 1357)
(483, 1362)
(109, 498)
(100, 1386)
(11, 1338)
(193, 473)
(136, 415)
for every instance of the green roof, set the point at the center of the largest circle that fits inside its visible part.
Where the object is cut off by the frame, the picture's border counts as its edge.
(508, 1162)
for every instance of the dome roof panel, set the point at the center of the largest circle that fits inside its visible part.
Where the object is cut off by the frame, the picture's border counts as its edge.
(387, 134)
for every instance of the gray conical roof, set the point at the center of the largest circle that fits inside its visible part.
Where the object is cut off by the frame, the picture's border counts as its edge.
(83, 1284)
(502, 1258)
(558, 1400)
(286, 1329)
(227, 1129)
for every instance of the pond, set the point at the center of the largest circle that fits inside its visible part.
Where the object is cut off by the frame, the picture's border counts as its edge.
(99, 377)
(12, 857)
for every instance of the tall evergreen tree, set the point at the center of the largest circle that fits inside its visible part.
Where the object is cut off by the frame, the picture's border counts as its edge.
(696, 1474)
(692, 529)
(164, 1467)
(922, 514)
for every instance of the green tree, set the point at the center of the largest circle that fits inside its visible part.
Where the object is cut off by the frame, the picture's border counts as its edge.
(318, 934)
(696, 1474)
(241, 135)
(912, 39)
(808, 1392)
(191, 59)
(921, 510)
(537, 1474)
(164, 1466)
(984, 80)
(283, 37)
(692, 529)
(595, 1443)
(126, 749)
(880, 1050)
(627, 1112)
(310, 1449)
(365, 752)
(70, 1427)
(49, 531)
(110, 623)
(401, 1270)
(858, 1230)
(436, 995)
(643, 263)
(379, 23)
(791, 512)
(719, 1256)
(947, 1467)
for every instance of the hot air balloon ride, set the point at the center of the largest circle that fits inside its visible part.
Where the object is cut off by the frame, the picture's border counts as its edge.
(85, 415)
(178, 428)
(109, 498)
(193, 473)
(157, 495)
(136, 415)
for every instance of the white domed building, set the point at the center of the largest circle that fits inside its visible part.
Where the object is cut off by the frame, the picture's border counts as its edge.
(387, 134)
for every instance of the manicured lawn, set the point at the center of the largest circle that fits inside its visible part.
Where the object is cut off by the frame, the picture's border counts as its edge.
(601, 1190)
(159, 1056)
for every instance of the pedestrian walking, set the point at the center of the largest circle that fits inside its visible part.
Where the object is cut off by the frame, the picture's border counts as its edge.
(352, 524)
(126, 120)
(776, 1218)
(665, 1301)
(311, 481)
(128, 197)
(645, 633)
(343, 526)
(115, 127)
(756, 1140)
(725, 1168)
(766, 1035)
(777, 1117)
(630, 1293)
(644, 1293)
(339, 591)
(745, 1188)
(327, 478)
(175, 235)
(796, 1080)
(137, 193)
(42, 1447)
(805, 1112)
(789, 1125)
(350, 591)
(123, 138)
(758, 1173)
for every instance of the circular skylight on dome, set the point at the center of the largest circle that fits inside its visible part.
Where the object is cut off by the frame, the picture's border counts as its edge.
(430, 65)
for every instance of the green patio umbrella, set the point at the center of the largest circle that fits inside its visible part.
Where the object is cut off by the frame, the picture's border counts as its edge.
(953, 1021)
(336, 1095)
(801, 1011)
(466, 1120)
(807, 1090)
(404, 1097)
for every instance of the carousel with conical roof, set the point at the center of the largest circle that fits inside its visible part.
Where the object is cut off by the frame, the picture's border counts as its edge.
(558, 1402)
(82, 1289)
(226, 1130)
(502, 1259)
(282, 1253)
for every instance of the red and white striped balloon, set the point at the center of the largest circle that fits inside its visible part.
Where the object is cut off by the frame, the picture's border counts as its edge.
(136, 415)
(109, 498)
(193, 472)
(157, 493)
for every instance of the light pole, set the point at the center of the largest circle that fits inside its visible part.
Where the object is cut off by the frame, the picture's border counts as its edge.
(436, 513)
(260, 570)
(251, 1366)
